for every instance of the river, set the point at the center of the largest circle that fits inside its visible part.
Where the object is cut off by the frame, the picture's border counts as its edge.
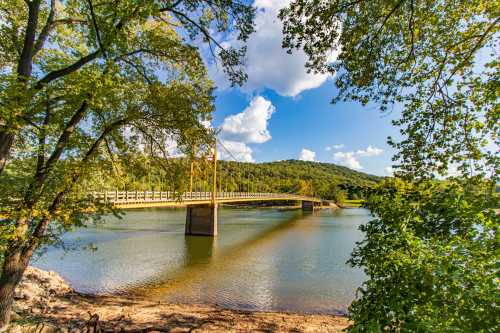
(262, 259)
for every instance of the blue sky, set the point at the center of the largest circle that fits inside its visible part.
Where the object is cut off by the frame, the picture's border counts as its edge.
(283, 112)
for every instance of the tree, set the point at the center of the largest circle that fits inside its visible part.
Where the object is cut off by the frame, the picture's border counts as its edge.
(305, 188)
(437, 60)
(336, 194)
(430, 253)
(83, 86)
(431, 258)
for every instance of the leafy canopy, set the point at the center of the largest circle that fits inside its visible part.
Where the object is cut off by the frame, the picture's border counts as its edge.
(431, 253)
(437, 60)
(86, 86)
(431, 257)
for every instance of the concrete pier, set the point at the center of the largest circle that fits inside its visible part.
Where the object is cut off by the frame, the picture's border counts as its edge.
(308, 206)
(201, 220)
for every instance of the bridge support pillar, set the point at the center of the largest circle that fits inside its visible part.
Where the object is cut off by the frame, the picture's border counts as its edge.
(201, 220)
(308, 206)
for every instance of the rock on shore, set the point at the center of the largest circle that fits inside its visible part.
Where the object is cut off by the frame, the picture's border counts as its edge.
(45, 303)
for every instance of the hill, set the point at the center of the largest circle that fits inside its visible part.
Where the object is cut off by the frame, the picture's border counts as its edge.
(327, 180)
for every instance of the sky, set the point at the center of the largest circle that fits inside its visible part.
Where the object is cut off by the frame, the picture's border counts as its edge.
(282, 112)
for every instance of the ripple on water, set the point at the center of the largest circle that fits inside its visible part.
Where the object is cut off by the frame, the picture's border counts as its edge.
(263, 259)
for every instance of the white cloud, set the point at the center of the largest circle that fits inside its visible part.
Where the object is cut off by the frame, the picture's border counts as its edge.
(249, 126)
(171, 147)
(267, 64)
(307, 155)
(347, 159)
(369, 151)
(350, 159)
(238, 150)
(168, 142)
(453, 171)
(206, 123)
(336, 147)
(389, 171)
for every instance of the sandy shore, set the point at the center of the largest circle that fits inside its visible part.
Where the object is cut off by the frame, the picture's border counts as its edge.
(45, 303)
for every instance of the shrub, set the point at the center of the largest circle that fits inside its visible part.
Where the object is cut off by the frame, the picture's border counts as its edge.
(431, 258)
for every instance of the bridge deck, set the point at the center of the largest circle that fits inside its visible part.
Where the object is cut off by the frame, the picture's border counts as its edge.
(144, 199)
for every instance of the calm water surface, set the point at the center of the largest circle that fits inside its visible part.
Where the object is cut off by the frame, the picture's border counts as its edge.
(263, 259)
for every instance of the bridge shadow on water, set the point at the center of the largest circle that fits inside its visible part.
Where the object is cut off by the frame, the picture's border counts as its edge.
(198, 249)
(202, 256)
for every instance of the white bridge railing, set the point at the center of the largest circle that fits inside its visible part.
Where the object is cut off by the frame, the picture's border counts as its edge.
(124, 197)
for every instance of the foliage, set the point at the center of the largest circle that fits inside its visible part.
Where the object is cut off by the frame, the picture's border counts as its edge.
(325, 180)
(337, 194)
(431, 257)
(437, 60)
(431, 252)
(328, 181)
(84, 87)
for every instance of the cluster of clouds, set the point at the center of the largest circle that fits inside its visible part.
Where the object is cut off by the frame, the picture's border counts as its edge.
(236, 150)
(350, 159)
(251, 127)
(307, 155)
(336, 147)
(247, 127)
(267, 64)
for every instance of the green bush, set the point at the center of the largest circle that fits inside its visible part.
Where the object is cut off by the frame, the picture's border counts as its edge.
(431, 256)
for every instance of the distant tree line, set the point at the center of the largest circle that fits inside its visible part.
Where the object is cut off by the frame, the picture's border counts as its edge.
(325, 180)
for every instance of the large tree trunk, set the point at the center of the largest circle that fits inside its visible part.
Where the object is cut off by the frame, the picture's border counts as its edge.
(14, 265)
(6, 141)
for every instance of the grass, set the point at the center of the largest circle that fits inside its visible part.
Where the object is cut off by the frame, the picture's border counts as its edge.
(353, 203)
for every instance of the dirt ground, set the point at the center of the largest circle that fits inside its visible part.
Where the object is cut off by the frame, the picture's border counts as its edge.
(45, 303)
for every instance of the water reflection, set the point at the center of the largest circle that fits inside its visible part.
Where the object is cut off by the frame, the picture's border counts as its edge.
(200, 267)
(198, 249)
(263, 259)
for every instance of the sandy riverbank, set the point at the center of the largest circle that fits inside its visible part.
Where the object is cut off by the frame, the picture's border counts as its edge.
(45, 303)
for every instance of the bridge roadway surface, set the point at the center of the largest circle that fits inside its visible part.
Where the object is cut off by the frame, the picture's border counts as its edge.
(146, 199)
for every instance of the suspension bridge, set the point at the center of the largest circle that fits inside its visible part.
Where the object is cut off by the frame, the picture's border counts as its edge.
(204, 196)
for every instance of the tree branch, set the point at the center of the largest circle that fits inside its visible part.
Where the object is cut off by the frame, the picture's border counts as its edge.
(207, 35)
(97, 32)
(65, 135)
(67, 20)
(388, 16)
(197, 25)
(41, 228)
(46, 29)
(54, 75)
(175, 4)
(25, 60)
(410, 28)
(42, 137)
(473, 50)
(87, 156)
(36, 187)
(140, 71)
